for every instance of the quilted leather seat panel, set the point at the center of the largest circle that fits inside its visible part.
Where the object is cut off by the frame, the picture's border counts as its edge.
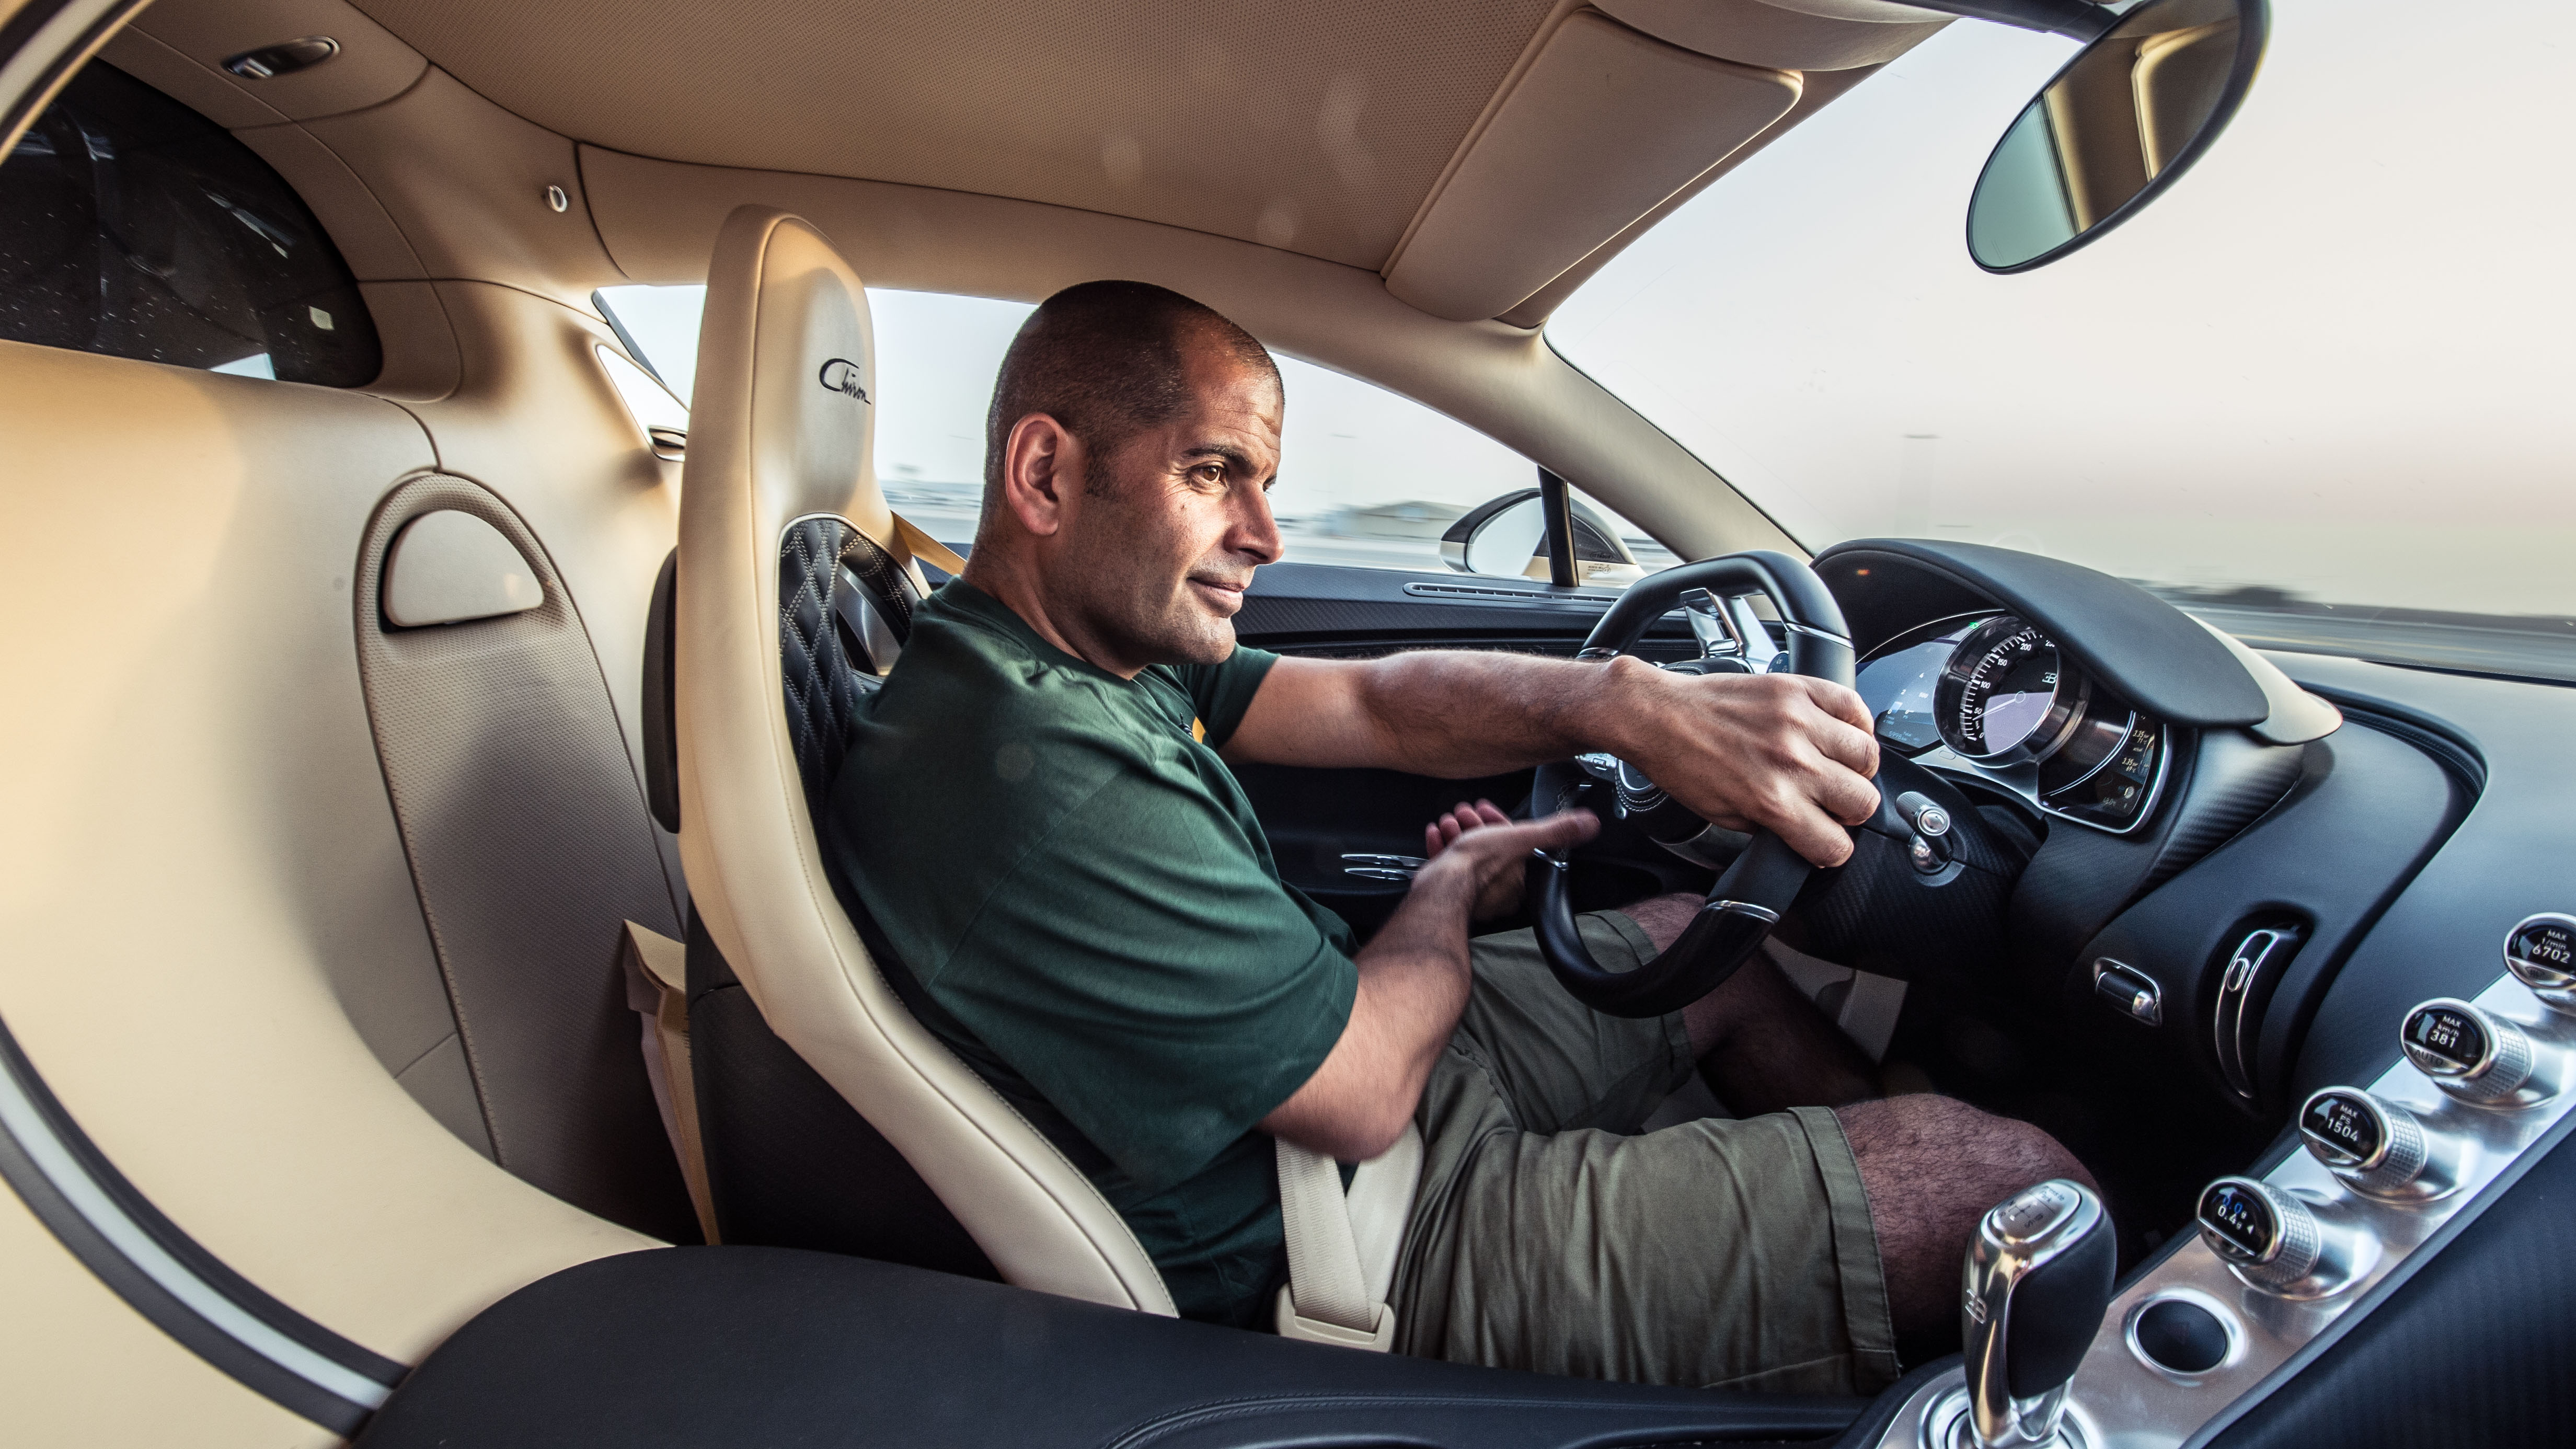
(825, 669)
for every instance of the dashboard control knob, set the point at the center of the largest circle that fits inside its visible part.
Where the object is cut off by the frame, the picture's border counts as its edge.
(2472, 1054)
(2541, 953)
(2377, 1148)
(2273, 1240)
(1923, 813)
(1928, 848)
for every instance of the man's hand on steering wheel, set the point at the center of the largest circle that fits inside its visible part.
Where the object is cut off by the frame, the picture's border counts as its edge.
(1787, 752)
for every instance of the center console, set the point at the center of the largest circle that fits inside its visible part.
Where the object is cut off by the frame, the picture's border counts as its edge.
(2285, 1261)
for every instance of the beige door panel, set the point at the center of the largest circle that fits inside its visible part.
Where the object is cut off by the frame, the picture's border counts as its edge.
(77, 1366)
(537, 420)
(200, 880)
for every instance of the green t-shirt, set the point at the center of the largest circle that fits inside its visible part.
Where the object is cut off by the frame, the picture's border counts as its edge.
(1083, 895)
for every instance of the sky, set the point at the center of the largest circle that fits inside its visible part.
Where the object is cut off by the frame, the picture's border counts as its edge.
(2333, 359)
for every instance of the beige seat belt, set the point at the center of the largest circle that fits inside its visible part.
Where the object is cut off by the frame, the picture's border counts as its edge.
(927, 549)
(657, 987)
(1342, 1248)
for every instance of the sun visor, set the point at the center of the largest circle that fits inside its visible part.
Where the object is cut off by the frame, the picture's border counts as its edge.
(1604, 124)
(1784, 34)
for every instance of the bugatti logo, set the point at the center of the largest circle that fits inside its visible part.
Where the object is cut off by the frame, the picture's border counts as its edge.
(842, 375)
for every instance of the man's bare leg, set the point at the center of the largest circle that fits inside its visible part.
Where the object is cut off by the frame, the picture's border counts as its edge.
(1762, 1045)
(1929, 1165)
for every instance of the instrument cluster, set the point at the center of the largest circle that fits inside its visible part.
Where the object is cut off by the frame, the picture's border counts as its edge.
(1991, 694)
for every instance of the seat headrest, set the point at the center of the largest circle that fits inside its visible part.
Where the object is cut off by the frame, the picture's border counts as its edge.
(789, 354)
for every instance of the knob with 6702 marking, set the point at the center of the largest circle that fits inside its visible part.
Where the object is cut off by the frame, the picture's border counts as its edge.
(2540, 951)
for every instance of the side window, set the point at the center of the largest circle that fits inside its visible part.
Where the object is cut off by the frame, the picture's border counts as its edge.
(1367, 478)
(1370, 478)
(131, 225)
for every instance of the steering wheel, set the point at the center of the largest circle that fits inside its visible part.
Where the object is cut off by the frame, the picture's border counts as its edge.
(1749, 896)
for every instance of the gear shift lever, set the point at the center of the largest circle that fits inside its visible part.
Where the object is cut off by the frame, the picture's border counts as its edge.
(2039, 1276)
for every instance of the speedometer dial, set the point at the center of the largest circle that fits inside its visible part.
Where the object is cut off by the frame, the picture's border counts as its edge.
(2004, 697)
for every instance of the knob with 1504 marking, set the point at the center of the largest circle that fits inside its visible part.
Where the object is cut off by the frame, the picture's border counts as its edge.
(2274, 1240)
(2376, 1147)
(2473, 1054)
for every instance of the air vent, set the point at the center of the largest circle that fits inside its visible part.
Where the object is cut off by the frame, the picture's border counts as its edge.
(1490, 593)
(2244, 989)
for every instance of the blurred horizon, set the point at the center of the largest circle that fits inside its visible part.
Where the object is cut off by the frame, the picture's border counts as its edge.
(2330, 362)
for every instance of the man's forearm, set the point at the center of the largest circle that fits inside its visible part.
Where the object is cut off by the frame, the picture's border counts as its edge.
(1458, 713)
(1782, 751)
(1413, 987)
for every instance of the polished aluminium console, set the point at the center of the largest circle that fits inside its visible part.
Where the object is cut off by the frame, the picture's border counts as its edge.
(2432, 1149)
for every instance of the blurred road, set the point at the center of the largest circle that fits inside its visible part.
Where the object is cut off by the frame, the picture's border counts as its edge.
(2523, 649)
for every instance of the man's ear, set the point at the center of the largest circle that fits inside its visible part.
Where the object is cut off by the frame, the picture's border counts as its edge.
(1041, 466)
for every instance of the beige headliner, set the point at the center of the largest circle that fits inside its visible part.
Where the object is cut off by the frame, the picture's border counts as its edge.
(1324, 128)
(1317, 125)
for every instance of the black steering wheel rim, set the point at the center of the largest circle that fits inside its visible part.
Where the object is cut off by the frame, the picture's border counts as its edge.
(1752, 892)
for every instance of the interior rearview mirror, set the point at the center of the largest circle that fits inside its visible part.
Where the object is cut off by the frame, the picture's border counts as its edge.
(2114, 128)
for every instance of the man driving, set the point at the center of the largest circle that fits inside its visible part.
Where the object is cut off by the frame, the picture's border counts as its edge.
(1085, 908)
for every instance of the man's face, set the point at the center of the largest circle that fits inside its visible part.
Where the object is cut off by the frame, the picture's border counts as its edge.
(1172, 520)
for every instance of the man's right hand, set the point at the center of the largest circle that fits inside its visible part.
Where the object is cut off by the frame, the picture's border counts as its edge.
(1498, 893)
(1413, 985)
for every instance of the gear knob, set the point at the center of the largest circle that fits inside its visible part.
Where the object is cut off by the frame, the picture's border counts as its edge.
(2039, 1276)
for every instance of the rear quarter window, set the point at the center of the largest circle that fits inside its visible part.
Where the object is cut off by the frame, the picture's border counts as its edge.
(131, 225)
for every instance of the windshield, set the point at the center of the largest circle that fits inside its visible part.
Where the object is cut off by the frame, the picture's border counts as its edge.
(2318, 392)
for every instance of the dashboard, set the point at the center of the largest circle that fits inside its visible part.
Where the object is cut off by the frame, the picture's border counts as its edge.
(2383, 1255)
(2342, 933)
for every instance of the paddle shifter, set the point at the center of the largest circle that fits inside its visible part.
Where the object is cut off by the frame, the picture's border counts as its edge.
(2039, 1275)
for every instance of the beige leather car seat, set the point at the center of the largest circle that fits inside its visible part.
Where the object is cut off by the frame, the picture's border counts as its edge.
(785, 541)
(780, 433)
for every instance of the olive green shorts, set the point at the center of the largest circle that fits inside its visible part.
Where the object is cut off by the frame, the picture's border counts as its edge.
(1548, 1236)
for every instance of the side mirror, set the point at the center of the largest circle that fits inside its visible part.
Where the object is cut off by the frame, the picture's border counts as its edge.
(2126, 117)
(1506, 537)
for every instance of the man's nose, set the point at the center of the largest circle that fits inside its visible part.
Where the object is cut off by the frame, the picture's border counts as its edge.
(1256, 529)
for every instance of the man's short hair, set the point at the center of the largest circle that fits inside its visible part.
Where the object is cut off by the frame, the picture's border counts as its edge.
(1105, 360)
